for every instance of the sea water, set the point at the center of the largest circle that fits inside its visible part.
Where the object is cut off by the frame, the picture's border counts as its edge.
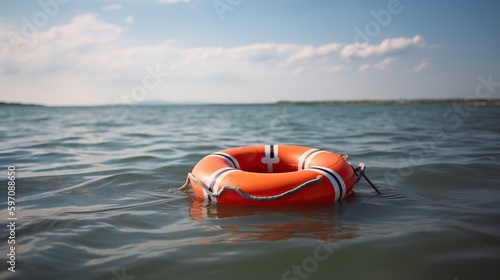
(97, 194)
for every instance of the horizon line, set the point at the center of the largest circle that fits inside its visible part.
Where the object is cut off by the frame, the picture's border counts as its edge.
(423, 101)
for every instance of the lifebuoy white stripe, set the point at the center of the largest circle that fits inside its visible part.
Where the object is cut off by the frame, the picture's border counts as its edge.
(228, 158)
(271, 156)
(219, 180)
(307, 161)
(335, 179)
(211, 181)
(303, 157)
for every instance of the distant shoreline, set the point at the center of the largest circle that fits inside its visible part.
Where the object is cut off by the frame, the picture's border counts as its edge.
(19, 104)
(479, 102)
(455, 101)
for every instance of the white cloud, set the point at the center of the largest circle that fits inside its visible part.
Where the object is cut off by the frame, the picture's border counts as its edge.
(395, 64)
(364, 67)
(90, 44)
(381, 65)
(112, 7)
(387, 46)
(310, 52)
(305, 53)
(59, 47)
(422, 65)
(129, 19)
(384, 64)
(328, 48)
(88, 52)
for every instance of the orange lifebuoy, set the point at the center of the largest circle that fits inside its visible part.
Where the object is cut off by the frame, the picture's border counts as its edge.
(273, 175)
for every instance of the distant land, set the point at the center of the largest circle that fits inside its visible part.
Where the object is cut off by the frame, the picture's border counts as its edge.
(19, 104)
(462, 101)
(456, 101)
(157, 102)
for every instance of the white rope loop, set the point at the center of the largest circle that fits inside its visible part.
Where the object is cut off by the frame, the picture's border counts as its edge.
(246, 195)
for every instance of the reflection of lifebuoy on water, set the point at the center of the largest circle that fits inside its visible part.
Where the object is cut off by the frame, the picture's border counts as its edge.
(312, 221)
(273, 175)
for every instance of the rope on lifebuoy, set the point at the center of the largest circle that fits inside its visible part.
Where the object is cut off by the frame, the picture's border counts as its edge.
(246, 195)
(360, 172)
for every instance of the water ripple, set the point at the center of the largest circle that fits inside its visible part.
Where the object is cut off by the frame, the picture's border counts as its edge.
(97, 194)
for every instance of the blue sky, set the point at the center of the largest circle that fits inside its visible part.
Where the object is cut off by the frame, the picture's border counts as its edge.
(63, 52)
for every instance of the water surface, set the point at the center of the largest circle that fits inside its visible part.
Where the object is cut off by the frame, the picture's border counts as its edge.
(97, 194)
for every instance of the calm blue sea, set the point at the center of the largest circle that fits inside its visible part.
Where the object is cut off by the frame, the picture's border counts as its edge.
(96, 194)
